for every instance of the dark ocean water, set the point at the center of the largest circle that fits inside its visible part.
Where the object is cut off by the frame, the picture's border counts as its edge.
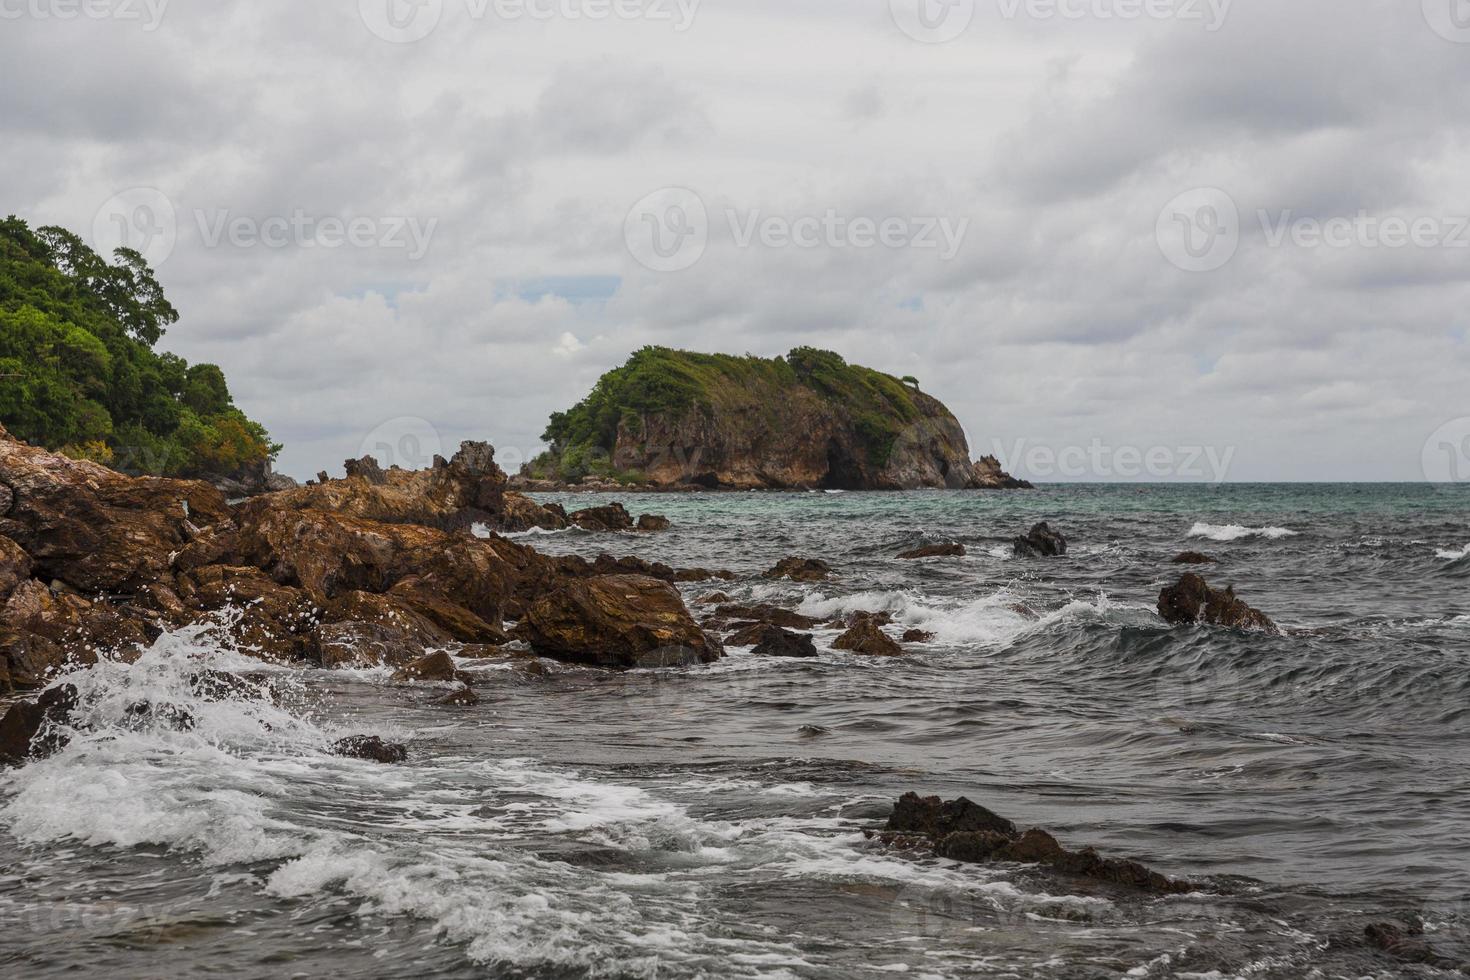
(708, 822)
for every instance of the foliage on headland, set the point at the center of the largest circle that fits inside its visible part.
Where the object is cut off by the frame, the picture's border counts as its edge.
(658, 381)
(79, 373)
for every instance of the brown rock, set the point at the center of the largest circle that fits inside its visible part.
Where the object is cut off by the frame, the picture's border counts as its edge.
(1192, 601)
(712, 599)
(436, 667)
(988, 475)
(336, 645)
(1193, 558)
(651, 522)
(868, 639)
(93, 528)
(934, 551)
(465, 697)
(15, 567)
(773, 641)
(624, 621)
(764, 613)
(1040, 542)
(451, 495)
(268, 620)
(800, 570)
(933, 816)
(42, 630)
(918, 636)
(370, 748)
(611, 517)
(24, 728)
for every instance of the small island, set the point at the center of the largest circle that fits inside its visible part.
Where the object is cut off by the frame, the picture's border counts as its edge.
(671, 419)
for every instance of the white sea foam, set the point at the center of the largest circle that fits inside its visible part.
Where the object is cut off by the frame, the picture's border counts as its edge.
(1451, 555)
(1236, 532)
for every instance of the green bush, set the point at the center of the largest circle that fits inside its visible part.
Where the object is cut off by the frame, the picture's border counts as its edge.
(78, 371)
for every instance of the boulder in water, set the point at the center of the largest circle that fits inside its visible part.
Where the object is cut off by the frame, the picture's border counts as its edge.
(868, 639)
(23, 729)
(370, 748)
(653, 522)
(1192, 601)
(800, 570)
(622, 621)
(1193, 558)
(773, 641)
(1040, 542)
(611, 517)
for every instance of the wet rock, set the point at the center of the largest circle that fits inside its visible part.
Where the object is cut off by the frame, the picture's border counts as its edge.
(620, 621)
(703, 575)
(868, 639)
(15, 567)
(338, 645)
(520, 513)
(1193, 558)
(859, 616)
(988, 475)
(433, 668)
(918, 636)
(773, 641)
(1040, 542)
(219, 685)
(42, 630)
(961, 830)
(266, 619)
(25, 729)
(652, 522)
(765, 613)
(713, 599)
(370, 748)
(611, 517)
(935, 817)
(934, 551)
(465, 697)
(146, 714)
(800, 570)
(391, 611)
(1192, 601)
(94, 528)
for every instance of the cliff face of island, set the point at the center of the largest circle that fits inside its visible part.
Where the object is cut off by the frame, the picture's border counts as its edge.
(808, 420)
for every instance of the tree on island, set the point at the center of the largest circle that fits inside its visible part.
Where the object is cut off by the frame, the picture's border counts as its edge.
(78, 372)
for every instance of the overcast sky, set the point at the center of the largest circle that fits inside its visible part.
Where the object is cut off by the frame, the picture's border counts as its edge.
(1230, 234)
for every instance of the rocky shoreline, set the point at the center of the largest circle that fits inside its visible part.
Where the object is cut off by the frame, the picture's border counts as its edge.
(414, 571)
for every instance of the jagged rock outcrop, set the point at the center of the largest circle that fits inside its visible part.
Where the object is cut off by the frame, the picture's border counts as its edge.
(1040, 542)
(25, 727)
(987, 474)
(93, 528)
(800, 570)
(623, 621)
(962, 830)
(1191, 600)
(868, 639)
(807, 420)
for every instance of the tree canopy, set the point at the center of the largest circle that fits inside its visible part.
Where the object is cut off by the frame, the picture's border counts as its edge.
(79, 373)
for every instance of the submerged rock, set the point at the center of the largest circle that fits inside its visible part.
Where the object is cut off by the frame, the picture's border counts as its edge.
(611, 517)
(622, 621)
(436, 667)
(1040, 542)
(934, 551)
(868, 638)
(961, 830)
(652, 522)
(1192, 601)
(1193, 558)
(370, 748)
(918, 636)
(800, 570)
(766, 613)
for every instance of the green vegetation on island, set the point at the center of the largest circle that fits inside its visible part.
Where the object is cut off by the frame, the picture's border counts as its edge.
(79, 373)
(658, 381)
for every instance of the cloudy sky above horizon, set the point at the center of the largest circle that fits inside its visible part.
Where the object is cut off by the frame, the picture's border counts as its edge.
(1232, 235)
